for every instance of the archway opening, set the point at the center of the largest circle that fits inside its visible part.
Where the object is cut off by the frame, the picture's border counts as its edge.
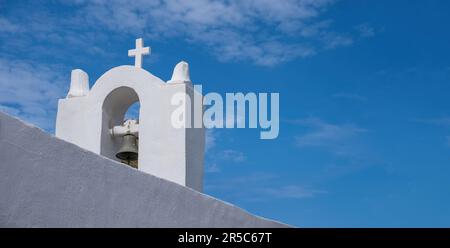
(133, 111)
(120, 105)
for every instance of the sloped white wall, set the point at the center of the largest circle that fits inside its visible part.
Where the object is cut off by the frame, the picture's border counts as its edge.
(47, 182)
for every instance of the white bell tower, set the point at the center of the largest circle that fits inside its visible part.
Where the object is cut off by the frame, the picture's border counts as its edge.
(94, 118)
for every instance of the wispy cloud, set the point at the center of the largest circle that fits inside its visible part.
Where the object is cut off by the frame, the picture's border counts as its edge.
(211, 161)
(40, 33)
(232, 155)
(216, 159)
(443, 122)
(31, 91)
(212, 168)
(210, 139)
(346, 144)
(266, 32)
(440, 121)
(350, 96)
(8, 27)
(293, 192)
(336, 138)
(261, 187)
(365, 30)
(333, 40)
(216, 156)
(233, 30)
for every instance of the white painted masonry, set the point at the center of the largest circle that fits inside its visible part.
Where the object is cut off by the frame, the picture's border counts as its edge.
(86, 116)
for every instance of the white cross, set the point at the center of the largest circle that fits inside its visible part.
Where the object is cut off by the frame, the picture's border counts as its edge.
(138, 52)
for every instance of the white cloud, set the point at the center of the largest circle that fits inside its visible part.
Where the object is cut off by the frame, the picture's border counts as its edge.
(365, 30)
(265, 32)
(261, 187)
(293, 192)
(350, 96)
(232, 155)
(31, 91)
(441, 121)
(212, 168)
(210, 139)
(333, 40)
(44, 35)
(217, 156)
(7, 26)
(339, 139)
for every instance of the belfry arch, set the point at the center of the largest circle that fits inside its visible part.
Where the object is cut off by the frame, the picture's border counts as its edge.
(115, 105)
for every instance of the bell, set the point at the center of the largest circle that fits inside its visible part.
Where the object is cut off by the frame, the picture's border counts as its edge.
(129, 150)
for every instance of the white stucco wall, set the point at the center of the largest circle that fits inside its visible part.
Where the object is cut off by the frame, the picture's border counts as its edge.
(47, 182)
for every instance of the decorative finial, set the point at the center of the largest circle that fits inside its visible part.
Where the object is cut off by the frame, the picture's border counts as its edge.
(138, 52)
(180, 73)
(79, 83)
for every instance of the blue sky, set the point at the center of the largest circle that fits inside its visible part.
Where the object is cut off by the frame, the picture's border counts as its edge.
(365, 114)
